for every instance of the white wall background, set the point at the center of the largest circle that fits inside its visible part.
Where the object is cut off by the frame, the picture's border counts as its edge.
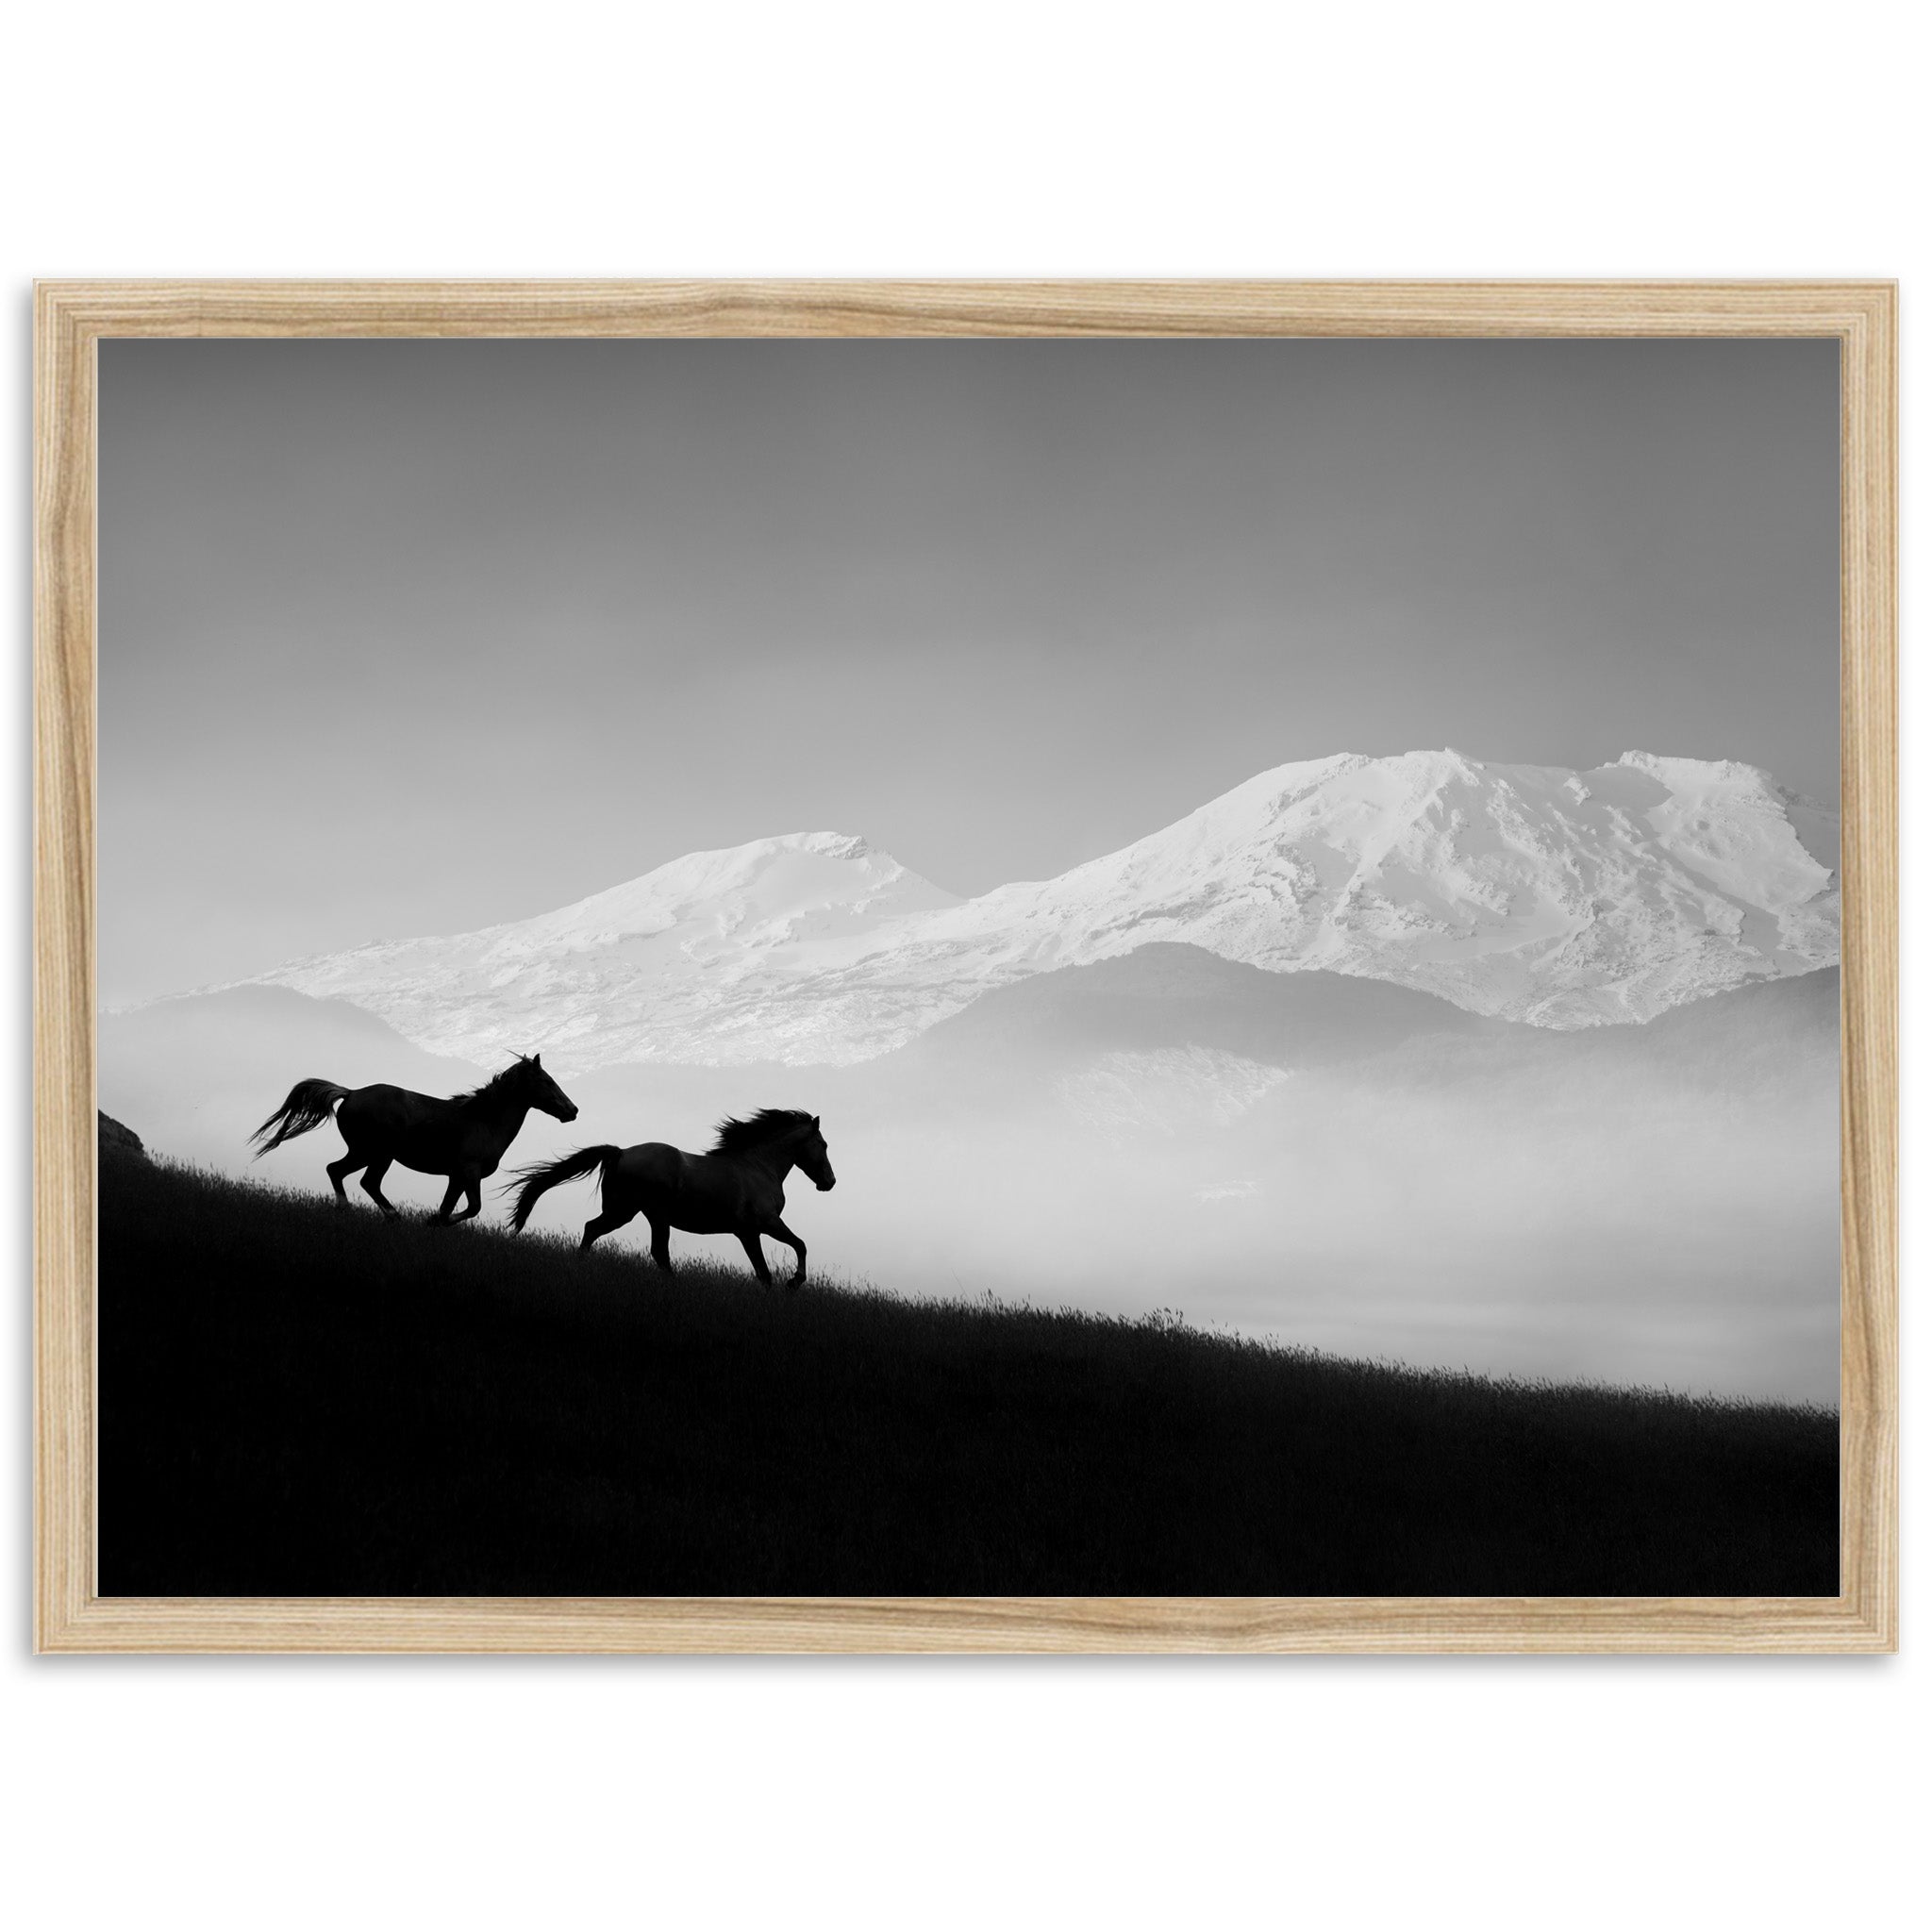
(1679, 140)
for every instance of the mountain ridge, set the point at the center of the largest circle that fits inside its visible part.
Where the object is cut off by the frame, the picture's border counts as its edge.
(1565, 899)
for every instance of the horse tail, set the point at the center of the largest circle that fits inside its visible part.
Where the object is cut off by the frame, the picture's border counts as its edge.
(533, 1183)
(309, 1103)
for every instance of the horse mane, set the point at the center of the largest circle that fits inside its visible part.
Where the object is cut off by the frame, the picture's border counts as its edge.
(495, 1084)
(768, 1123)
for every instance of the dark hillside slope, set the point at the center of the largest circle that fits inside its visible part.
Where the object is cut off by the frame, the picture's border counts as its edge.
(295, 1400)
(1166, 995)
(1777, 1032)
(1776, 1041)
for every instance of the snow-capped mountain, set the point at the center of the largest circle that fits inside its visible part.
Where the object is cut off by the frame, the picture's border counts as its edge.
(1529, 892)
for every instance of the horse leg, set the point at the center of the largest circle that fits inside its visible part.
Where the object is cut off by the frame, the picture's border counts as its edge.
(468, 1182)
(755, 1253)
(371, 1185)
(779, 1232)
(661, 1244)
(339, 1171)
(606, 1223)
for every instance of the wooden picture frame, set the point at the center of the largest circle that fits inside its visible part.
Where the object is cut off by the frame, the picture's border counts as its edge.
(71, 317)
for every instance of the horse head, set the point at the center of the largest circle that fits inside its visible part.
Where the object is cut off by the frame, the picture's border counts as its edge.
(814, 1159)
(542, 1091)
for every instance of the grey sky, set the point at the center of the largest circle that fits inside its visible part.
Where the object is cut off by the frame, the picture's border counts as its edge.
(407, 637)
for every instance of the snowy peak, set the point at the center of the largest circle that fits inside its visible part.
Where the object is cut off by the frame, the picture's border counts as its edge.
(1527, 893)
(673, 964)
(766, 892)
(1737, 819)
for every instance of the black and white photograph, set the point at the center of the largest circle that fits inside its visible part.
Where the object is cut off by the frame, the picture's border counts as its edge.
(969, 967)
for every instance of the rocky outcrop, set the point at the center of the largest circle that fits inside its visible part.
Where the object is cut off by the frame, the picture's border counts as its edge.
(119, 1142)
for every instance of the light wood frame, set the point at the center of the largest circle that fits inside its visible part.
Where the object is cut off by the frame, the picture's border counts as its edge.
(73, 316)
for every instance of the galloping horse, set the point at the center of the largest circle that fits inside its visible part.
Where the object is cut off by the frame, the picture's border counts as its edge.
(737, 1188)
(463, 1138)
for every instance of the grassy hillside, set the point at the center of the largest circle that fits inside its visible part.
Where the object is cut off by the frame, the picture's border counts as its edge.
(298, 1400)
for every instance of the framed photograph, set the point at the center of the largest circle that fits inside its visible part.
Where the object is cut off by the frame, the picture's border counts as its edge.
(892, 967)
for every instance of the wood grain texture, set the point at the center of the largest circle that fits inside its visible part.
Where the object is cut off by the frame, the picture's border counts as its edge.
(844, 309)
(71, 316)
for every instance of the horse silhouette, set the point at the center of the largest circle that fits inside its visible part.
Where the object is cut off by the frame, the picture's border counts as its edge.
(737, 1188)
(464, 1138)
